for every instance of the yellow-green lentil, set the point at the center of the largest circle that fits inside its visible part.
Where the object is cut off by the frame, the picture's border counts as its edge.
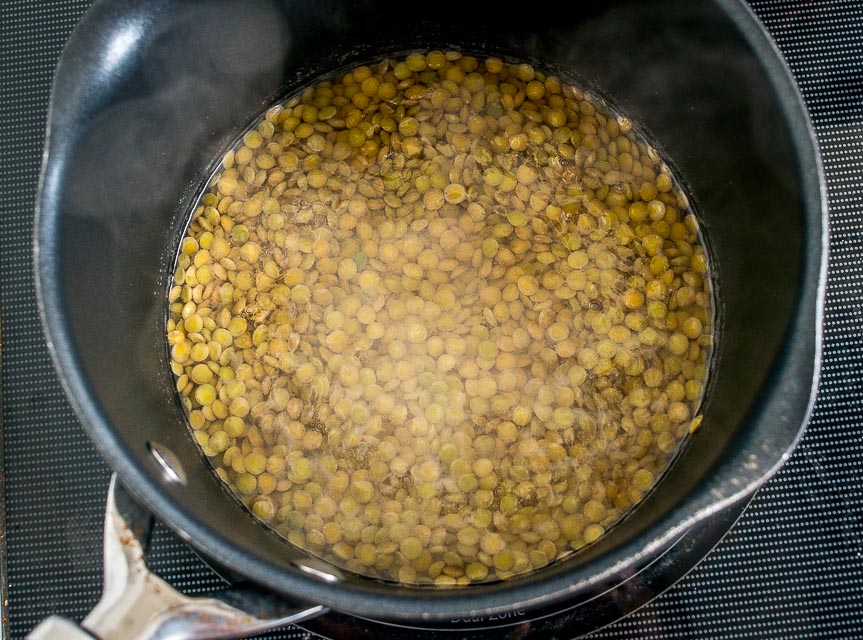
(408, 347)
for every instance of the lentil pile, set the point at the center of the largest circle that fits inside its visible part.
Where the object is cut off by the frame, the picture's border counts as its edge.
(441, 320)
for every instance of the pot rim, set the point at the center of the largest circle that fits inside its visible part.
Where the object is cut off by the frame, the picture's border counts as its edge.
(542, 588)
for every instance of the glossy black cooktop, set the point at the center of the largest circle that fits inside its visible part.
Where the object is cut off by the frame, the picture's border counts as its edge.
(791, 566)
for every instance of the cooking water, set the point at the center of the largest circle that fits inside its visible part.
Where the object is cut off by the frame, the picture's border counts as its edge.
(441, 320)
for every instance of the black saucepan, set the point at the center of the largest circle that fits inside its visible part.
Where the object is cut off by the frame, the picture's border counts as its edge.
(149, 93)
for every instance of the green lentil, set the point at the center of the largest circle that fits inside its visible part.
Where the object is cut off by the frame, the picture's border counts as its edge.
(441, 320)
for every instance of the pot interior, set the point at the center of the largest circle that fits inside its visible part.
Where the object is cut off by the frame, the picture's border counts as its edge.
(142, 129)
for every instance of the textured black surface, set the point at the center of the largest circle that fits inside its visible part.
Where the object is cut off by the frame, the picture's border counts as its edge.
(791, 568)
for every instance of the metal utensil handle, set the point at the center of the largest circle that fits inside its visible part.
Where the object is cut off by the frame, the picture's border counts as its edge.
(138, 605)
(55, 628)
